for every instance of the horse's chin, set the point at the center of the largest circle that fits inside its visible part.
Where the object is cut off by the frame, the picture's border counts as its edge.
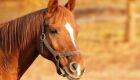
(71, 78)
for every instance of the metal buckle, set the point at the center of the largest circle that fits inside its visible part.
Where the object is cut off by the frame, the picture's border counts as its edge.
(43, 36)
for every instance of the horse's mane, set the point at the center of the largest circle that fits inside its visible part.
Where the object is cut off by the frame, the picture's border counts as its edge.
(16, 34)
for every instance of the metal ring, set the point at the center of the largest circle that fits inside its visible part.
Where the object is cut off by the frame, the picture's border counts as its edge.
(43, 36)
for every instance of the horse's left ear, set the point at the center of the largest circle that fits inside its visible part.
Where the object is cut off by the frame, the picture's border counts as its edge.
(52, 6)
(70, 5)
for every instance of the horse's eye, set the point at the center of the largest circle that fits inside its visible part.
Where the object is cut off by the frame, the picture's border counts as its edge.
(52, 31)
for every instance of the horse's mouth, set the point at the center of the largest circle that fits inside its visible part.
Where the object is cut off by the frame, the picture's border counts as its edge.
(72, 76)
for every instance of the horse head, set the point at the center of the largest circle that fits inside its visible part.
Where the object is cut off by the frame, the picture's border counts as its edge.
(58, 39)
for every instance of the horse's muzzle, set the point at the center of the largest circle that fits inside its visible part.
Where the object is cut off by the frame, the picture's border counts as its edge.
(73, 71)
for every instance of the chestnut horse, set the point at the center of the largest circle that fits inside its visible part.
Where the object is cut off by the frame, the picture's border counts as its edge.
(51, 32)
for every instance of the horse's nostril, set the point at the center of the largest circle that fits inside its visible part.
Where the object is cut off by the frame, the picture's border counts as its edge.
(73, 66)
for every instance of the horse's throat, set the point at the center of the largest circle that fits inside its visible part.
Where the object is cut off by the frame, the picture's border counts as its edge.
(26, 59)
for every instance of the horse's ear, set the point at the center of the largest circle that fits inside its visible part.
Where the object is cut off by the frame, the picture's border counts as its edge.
(52, 5)
(70, 5)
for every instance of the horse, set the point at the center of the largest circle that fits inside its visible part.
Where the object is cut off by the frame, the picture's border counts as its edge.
(49, 32)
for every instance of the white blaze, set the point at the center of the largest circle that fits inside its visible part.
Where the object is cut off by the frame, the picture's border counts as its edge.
(71, 32)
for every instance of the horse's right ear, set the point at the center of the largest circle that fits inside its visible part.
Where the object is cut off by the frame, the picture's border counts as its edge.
(70, 5)
(52, 5)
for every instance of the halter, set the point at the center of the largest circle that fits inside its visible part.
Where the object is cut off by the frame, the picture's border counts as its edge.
(44, 43)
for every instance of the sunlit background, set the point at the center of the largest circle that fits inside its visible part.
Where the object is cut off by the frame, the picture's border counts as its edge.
(109, 38)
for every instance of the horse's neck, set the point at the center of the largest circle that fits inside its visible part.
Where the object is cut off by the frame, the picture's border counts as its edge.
(13, 66)
(18, 61)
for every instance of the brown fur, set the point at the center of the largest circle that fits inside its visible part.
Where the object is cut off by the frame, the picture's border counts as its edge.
(20, 38)
(19, 32)
(17, 51)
